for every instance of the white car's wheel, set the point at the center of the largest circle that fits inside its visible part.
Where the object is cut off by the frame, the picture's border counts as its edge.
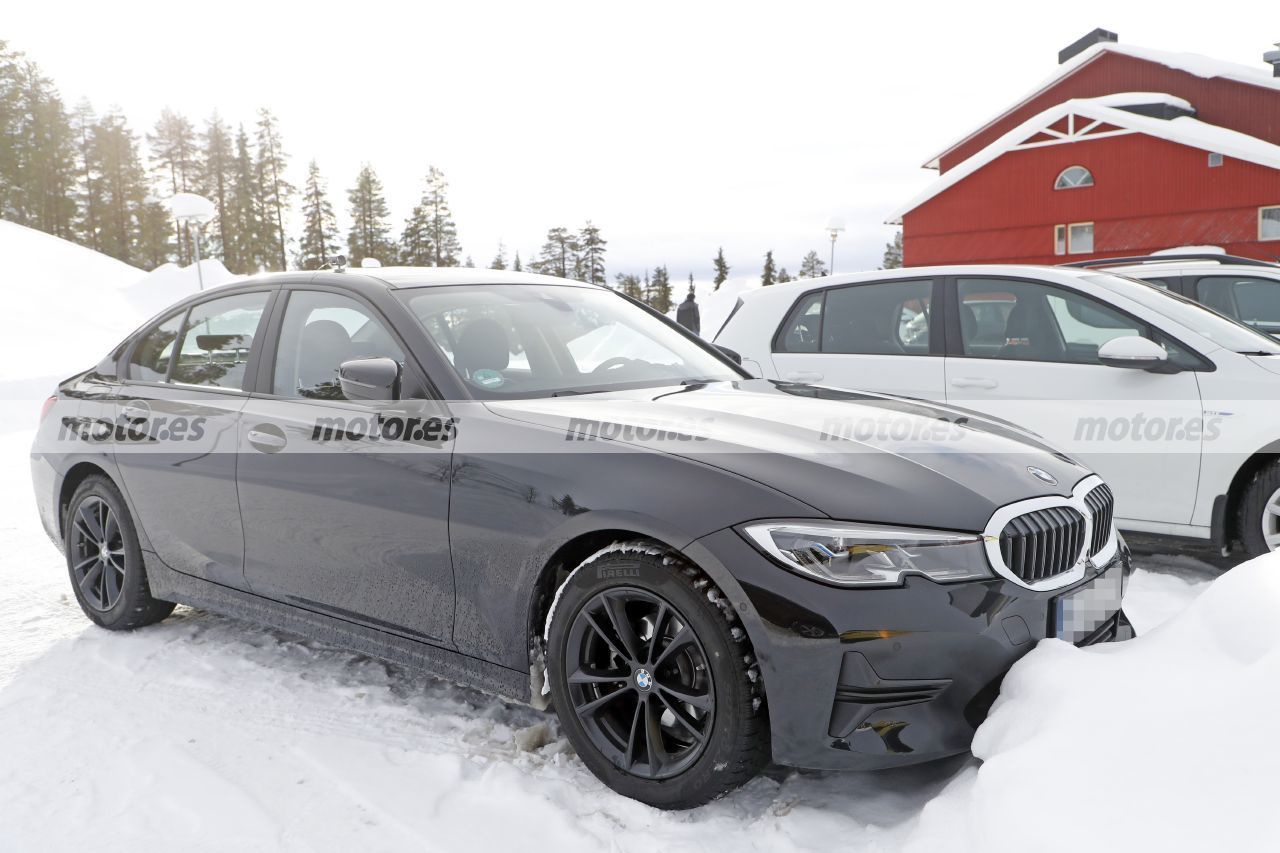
(1259, 521)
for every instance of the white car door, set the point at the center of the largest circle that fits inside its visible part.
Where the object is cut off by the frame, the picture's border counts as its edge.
(872, 336)
(1028, 352)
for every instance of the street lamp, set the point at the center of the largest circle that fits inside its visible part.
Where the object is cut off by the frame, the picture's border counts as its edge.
(192, 209)
(834, 226)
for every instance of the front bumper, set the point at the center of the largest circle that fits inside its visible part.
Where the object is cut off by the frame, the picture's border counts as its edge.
(871, 678)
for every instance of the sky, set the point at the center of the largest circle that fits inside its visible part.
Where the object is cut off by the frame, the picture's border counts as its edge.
(676, 128)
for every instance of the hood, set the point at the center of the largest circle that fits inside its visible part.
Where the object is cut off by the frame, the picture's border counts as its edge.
(858, 456)
(1267, 362)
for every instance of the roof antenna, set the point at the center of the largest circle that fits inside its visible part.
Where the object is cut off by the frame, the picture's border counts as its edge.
(338, 263)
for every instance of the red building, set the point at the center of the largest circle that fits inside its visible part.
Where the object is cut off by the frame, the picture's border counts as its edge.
(1123, 151)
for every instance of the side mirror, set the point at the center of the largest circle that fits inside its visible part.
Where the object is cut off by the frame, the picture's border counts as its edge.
(1135, 353)
(732, 355)
(370, 379)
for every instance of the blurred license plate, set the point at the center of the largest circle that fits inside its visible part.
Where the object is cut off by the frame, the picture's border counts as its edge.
(1087, 609)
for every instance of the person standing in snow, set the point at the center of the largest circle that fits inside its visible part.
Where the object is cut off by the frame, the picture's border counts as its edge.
(687, 314)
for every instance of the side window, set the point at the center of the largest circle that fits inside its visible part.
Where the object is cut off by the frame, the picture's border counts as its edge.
(150, 359)
(889, 318)
(320, 331)
(1251, 300)
(217, 339)
(804, 325)
(1027, 321)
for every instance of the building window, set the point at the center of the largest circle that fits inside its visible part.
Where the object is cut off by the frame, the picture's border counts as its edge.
(1059, 239)
(1269, 223)
(1073, 177)
(1080, 238)
(1215, 159)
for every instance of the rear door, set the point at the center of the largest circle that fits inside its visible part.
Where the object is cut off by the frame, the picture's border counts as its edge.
(874, 336)
(346, 503)
(1027, 352)
(175, 438)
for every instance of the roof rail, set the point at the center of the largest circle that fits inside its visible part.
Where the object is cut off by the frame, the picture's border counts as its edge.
(1187, 256)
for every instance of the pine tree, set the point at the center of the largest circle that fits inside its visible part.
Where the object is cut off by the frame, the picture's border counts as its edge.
(591, 249)
(630, 285)
(276, 192)
(175, 167)
(470, 264)
(242, 251)
(370, 235)
(430, 237)
(559, 254)
(893, 253)
(37, 148)
(216, 180)
(722, 269)
(88, 203)
(516, 265)
(783, 276)
(319, 226)
(770, 275)
(122, 191)
(499, 261)
(812, 266)
(660, 291)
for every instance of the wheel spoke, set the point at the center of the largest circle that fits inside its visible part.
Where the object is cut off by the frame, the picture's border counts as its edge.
(637, 732)
(110, 585)
(110, 529)
(91, 577)
(658, 622)
(682, 717)
(653, 736)
(80, 566)
(683, 638)
(701, 701)
(582, 676)
(616, 610)
(604, 635)
(1273, 541)
(592, 707)
(1274, 509)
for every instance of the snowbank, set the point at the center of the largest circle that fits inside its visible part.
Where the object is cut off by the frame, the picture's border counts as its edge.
(63, 308)
(168, 283)
(1164, 743)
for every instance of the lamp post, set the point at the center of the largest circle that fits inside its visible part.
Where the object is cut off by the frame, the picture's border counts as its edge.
(192, 209)
(834, 226)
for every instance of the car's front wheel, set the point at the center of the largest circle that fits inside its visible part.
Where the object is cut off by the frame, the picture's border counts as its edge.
(1259, 519)
(104, 559)
(653, 682)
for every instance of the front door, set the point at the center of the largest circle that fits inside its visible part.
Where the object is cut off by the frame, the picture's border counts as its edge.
(346, 504)
(1028, 353)
(877, 336)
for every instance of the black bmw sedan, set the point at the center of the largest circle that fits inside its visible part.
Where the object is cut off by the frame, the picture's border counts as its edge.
(548, 491)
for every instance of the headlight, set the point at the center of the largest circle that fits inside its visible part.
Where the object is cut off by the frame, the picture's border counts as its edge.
(871, 555)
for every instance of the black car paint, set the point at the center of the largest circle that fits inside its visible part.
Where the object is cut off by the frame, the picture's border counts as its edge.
(441, 560)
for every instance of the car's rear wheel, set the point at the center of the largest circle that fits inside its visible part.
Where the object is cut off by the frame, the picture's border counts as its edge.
(1259, 521)
(653, 684)
(104, 559)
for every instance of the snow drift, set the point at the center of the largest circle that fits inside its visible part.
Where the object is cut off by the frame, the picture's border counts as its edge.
(1167, 742)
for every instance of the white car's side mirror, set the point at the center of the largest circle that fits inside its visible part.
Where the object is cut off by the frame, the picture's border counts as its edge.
(1136, 353)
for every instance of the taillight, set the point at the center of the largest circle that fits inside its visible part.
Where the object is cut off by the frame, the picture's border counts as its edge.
(47, 407)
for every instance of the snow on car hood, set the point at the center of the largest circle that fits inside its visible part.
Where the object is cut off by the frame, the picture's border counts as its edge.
(869, 457)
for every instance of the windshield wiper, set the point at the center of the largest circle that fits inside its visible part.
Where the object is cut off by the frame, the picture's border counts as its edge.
(569, 392)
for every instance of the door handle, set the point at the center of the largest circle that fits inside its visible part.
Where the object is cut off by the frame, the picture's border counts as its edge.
(266, 439)
(974, 382)
(803, 376)
(135, 413)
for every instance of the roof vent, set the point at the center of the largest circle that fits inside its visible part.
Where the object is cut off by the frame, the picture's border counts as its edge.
(1273, 56)
(1079, 46)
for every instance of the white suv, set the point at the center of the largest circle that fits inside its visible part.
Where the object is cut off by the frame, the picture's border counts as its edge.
(1243, 289)
(1174, 405)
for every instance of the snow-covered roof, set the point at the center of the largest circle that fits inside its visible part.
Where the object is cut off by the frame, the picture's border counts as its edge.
(1102, 118)
(1191, 63)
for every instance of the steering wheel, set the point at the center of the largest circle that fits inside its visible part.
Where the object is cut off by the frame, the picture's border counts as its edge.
(611, 363)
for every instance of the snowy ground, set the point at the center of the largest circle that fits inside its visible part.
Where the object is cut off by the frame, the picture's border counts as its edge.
(205, 733)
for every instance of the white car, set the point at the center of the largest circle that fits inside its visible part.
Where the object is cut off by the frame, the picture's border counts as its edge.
(1243, 289)
(1174, 405)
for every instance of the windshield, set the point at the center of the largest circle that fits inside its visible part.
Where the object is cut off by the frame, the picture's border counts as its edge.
(534, 340)
(1223, 331)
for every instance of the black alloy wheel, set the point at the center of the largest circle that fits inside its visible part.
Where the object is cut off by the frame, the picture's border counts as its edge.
(97, 549)
(639, 681)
